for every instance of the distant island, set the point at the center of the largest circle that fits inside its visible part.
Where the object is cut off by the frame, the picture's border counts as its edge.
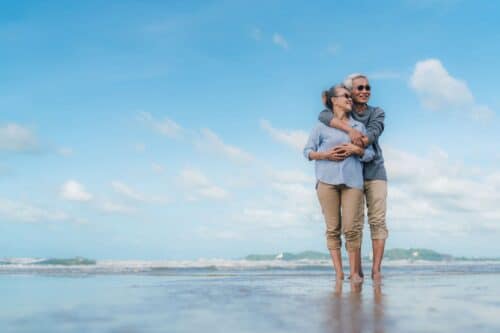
(390, 254)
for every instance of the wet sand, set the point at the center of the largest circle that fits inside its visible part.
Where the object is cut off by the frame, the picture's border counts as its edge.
(249, 302)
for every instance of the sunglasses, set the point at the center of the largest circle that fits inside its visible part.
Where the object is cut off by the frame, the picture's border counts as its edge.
(361, 87)
(344, 95)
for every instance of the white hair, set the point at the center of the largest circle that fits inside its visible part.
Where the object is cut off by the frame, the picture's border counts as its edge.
(349, 78)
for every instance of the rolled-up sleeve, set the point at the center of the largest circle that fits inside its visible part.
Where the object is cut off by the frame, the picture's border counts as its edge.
(368, 155)
(312, 143)
(375, 125)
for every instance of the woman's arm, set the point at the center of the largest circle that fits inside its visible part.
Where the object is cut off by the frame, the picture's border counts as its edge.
(311, 148)
(312, 145)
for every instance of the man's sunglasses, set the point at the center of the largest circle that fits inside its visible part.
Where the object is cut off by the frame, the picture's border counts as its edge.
(361, 87)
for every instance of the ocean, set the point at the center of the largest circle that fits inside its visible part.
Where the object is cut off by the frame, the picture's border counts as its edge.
(215, 295)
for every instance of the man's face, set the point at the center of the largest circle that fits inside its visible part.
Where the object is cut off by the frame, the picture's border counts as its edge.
(360, 92)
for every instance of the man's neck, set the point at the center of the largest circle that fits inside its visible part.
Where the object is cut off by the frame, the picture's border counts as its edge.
(360, 107)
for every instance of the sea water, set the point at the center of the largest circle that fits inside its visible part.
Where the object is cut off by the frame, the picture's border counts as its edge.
(245, 296)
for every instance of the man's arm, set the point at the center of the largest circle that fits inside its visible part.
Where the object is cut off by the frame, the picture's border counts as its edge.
(326, 117)
(375, 125)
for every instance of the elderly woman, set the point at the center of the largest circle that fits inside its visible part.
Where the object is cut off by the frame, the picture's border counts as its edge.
(339, 175)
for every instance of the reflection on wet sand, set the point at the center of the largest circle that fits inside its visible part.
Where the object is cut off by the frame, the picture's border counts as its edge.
(349, 312)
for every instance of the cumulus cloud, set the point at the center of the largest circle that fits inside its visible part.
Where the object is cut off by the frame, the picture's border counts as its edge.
(132, 194)
(115, 208)
(280, 41)
(217, 233)
(287, 201)
(211, 142)
(23, 212)
(16, 138)
(165, 127)
(126, 191)
(440, 195)
(74, 191)
(199, 185)
(438, 90)
(293, 138)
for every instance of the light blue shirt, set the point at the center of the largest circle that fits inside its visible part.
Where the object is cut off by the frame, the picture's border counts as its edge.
(348, 171)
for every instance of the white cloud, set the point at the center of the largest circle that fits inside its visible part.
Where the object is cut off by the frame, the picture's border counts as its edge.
(65, 151)
(438, 90)
(287, 200)
(209, 141)
(22, 212)
(126, 191)
(291, 176)
(280, 41)
(129, 193)
(17, 138)
(165, 127)
(212, 233)
(435, 194)
(74, 191)
(199, 185)
(139, 147)
(293, 138)
(113, 207)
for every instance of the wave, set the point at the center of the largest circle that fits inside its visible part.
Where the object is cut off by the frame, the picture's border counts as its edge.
(77, 261)
(80, 265)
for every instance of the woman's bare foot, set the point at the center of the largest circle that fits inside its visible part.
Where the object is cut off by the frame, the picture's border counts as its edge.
(339, 276)
(355, 278)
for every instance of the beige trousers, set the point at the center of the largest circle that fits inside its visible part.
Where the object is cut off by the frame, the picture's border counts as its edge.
(342, 208)
(376, 202)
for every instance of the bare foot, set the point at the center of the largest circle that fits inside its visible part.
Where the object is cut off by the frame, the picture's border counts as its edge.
(355, 278)
(377, 277)
(339, 276)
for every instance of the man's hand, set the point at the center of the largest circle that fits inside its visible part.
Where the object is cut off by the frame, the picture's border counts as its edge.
(348, 149)
(356, 137)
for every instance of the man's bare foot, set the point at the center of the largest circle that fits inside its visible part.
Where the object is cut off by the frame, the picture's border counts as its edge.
(377, 277)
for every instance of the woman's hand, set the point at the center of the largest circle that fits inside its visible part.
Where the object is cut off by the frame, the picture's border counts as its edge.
(334, 155)
(347, 149)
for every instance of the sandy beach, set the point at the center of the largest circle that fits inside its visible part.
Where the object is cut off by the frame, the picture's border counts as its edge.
(412, 298)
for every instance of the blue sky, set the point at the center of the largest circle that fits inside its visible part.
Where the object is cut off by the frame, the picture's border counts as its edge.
(173, 130)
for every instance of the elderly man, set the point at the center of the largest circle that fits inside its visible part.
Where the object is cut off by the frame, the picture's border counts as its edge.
(374, 174)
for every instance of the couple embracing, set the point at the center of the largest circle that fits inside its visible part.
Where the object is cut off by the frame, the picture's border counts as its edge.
(349, 168)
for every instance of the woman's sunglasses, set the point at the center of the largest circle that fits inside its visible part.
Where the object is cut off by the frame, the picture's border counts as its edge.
(344, 95)
(361, 87)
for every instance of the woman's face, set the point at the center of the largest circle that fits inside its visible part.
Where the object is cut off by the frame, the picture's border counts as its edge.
(342, 99)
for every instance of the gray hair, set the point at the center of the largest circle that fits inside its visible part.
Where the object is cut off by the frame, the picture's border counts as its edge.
(349, 78)
(331, 93)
